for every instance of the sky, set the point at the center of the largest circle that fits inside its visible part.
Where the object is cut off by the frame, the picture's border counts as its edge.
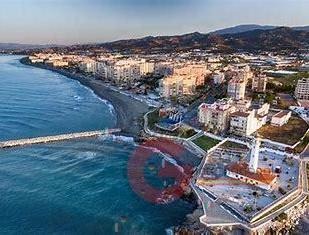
(89, 21)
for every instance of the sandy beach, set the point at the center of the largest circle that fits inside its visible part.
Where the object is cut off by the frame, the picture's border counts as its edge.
(129, 111)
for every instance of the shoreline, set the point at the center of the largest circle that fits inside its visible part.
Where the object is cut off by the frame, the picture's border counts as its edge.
(129, 111)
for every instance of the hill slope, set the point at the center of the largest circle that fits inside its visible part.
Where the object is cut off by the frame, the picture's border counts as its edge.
(281, 38)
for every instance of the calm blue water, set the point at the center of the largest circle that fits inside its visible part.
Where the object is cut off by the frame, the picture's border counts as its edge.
(76, 187)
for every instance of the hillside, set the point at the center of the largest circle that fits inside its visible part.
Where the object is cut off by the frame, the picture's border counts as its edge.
(282, 38)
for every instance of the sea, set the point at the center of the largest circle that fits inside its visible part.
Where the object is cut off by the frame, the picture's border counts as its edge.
(70, 187)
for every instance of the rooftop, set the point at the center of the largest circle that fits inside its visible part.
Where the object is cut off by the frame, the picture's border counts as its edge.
(264, 175)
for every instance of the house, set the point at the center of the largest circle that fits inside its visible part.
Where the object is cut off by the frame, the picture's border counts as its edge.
(281, 118)
(263, 177)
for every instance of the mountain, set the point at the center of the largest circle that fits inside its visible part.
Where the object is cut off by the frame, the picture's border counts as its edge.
(282, 38)
(250, 27)
(276, 39)
(302, 28)
(242, 28)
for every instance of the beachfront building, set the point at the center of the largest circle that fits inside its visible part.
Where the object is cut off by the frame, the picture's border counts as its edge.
(216, 116)
(259, 83)
(146, 67)
(36, 59)
(245, 123)
(177, 85)
(88, 66)
(196, 71)
(236, 88)
(302, 89)
(57, 63)
(281, 118)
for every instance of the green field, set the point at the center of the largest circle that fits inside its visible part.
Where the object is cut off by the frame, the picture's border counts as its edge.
(205, 142)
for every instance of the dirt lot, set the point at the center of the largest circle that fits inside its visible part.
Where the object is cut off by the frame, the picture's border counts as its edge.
(289, 133)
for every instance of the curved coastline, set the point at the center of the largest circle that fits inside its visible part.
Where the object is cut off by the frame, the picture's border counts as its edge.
(128, 110)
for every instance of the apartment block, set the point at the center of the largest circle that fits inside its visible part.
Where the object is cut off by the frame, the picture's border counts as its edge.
(245, 123)
(236, 88)
(259, 83)
(216, 116)
(302, 89)
(176, 85)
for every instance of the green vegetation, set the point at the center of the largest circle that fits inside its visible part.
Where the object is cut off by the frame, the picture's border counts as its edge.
(289, 133)
(153, 118)
(288, 83)
(302, 145)
(233, 145)
(205, 142)
(248, 209)
(186, 133)
(282, 88)
(281, 217)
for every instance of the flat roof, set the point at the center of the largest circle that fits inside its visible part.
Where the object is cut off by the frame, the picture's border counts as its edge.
(241, 114)
(281, 114)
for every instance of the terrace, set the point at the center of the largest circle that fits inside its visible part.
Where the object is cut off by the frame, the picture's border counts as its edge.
(244, 198)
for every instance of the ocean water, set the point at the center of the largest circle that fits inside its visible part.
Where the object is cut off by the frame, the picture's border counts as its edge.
(71, 187)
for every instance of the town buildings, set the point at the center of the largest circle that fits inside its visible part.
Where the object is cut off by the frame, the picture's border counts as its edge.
(259, 83)
(216, 116)
(177, 85)
(245, 123)
(183, 80)
(236, 88)
(302, 89)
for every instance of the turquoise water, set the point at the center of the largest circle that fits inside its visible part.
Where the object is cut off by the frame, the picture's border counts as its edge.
(73, 187)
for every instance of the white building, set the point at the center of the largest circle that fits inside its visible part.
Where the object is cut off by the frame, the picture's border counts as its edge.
(216, 116)
(263, 177)
(245, 123)
(176, 85)
(236, 88)
(281, 118)
(198, 71)
(302, 89)
(88, 66)
(146, 67)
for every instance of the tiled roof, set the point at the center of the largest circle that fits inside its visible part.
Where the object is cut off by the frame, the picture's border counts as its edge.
(263, 175)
